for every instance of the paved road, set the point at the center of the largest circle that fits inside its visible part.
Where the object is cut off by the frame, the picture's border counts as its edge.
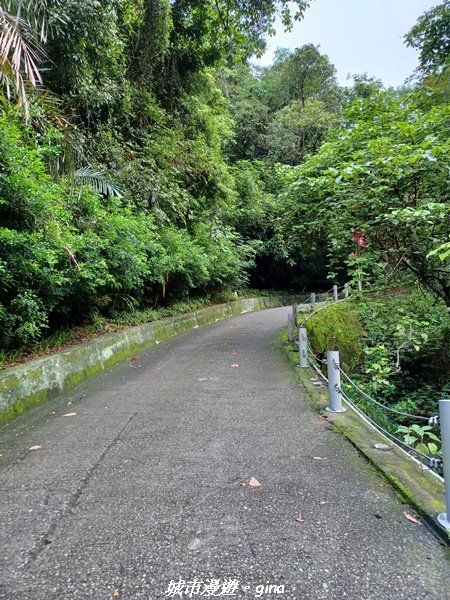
(143, 487)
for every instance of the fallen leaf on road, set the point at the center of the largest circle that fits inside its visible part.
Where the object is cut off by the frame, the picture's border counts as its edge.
(242, 484)
(35, 447)
(134, 359)
(234, 353)
(412, 519)
(322, 502)
(320, 458)
(69, 415)
(377, 515)
(254, 483)
(116, 594)
(299, 519)
(234, 366)
(195, 544)
(382, 447)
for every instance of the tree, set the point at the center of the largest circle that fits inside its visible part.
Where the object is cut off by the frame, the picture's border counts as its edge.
(297, 130)
(363, 86)
(300, 75)
(431, 37)
(377, 192)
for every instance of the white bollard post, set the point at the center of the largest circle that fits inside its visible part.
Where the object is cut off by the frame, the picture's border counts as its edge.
(290, 328)
(444, 419)
(303, 347)
(294, 313)
(335, 293)
(346, 291)
(334, 383)
(359, 285)
(313, 300)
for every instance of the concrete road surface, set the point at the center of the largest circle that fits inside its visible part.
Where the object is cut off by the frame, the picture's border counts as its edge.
(144, 492)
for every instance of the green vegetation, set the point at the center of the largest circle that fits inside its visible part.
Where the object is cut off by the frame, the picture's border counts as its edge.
(147, 165)
(395, 347)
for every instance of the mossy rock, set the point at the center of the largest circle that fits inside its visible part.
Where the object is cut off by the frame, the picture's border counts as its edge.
(337, 327)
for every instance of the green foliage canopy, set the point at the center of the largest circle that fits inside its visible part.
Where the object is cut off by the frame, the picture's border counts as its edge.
(377, 192)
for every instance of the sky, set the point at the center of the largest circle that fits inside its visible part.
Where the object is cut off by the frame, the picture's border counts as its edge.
(359, 36)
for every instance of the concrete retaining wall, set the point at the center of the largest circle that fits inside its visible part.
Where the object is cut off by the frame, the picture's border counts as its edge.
(41, 379)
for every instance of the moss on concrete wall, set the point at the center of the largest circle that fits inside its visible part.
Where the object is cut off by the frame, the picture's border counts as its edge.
(38, 380)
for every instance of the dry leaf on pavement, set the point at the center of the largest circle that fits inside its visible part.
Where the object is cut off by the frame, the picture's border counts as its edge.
(195, 544)
(35, 447)
(234, 365)
(412, 519)
(300, 519)
(69, 415)
(134, 359)
(254, 483)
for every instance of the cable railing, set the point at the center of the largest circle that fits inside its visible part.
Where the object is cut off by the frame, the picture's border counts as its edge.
(368, 408)
(425, 460)
(430, 420)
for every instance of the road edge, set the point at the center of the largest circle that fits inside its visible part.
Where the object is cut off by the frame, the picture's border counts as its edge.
(41, 379)
(421, 490)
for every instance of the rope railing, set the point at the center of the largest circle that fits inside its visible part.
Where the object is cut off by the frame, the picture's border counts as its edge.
(424, 459)
(430, 463)
(316, 364)
(364, 402)
(318, 359)
(319, 309)
(430, 420)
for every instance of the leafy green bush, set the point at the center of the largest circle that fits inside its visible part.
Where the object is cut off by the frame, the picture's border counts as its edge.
(67, 253)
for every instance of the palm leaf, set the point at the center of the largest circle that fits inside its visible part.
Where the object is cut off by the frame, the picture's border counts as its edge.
(42, 15)
(18, 47)
(20, 56)
(97, 181)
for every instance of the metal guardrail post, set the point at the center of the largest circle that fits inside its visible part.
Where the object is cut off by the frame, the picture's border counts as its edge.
(444, 419)
(290, 328)
(303, 347)
(334, 383)
(335, 293)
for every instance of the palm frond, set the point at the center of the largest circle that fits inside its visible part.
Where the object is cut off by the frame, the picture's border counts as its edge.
(18, 47)
(20, 56)
(42, 15)
(97, 181)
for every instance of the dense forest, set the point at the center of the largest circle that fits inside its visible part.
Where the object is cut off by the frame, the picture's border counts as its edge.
(146, 161)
